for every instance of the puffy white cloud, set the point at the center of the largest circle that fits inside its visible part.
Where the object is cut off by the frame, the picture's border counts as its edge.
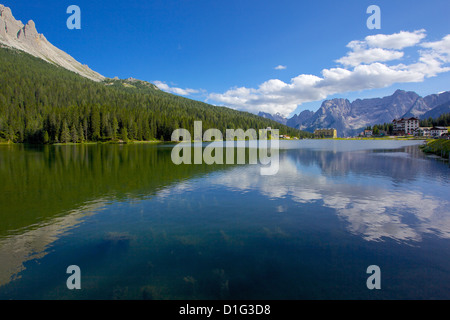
(442, 48)
(276, 96)
(430, 63)
(360, 56)
(398, 41)
(165, 87)
(364, 67)
(272, 96)
(370, 211)
(380, 48)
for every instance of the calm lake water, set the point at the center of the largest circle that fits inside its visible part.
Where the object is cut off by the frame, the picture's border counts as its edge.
(140, 227)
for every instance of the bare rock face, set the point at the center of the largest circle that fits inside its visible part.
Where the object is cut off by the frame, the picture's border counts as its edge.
(349, 118)
(9, 25)
(28, 32)
(275, 117)
(297, 120)
(14, 34)
(2, 28)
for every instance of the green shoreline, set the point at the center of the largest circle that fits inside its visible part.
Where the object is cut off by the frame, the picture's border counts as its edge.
(85, 143)
(439, 147)
(389, 138)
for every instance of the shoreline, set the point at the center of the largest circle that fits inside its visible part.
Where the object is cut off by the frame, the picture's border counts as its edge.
(438, 147)
(388, 138)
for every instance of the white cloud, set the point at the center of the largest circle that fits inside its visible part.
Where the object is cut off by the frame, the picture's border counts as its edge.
(276, 96)
(280, 67)
(380, 48)
(398, 41)
(430, 63)
(364, 67)
(360, 56)
(370, 211)
(442, 48)
(165, 87)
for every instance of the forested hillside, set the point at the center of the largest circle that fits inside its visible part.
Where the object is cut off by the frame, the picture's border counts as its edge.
(43, 103)
(442, 121)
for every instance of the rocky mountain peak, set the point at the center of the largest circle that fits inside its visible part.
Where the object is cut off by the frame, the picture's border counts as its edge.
(349, 118)
(297, 120)
(14, 34)
(30, 27)
(5, 11)
(278, 117)
(8, 24)
(399, 92)
(335, 102)
(28, 31)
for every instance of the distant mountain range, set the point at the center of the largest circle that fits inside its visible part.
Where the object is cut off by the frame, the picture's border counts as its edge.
(349, 118)
(276, 117)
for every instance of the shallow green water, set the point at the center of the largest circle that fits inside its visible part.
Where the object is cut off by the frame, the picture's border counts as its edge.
(140, 227)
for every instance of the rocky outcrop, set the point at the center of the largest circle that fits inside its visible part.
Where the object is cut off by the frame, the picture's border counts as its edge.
(297, 120)
(349, 118)
(275, 117)
(437, 111)
(14, 34)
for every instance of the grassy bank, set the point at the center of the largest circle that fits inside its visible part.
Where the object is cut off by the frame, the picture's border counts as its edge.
(440, 147)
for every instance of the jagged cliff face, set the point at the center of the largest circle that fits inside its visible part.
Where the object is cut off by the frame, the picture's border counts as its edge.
(275, 117)
(349, 118)
(297, 120)
(13, 33)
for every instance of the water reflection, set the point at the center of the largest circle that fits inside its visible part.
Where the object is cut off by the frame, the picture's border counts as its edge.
(47, 191)
(33, 243)
(142, 227)
(380, 194)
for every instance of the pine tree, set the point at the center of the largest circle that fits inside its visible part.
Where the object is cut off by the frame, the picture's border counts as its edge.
(95, 124)
(45, 137)
(124, 134)
(115, 128)
(65, 133)
(74, 133)
(80, 134)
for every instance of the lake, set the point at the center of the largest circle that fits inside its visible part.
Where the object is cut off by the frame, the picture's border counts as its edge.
(140, 227)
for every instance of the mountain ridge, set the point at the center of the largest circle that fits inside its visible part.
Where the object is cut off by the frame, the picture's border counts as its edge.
(349, 118)
(14, 34)
(275, 117)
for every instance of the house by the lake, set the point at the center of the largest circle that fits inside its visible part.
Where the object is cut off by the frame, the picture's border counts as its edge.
(438, 131)
(405, 126)
(422, 132)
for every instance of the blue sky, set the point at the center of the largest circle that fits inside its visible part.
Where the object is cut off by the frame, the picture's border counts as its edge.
(226, 52)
